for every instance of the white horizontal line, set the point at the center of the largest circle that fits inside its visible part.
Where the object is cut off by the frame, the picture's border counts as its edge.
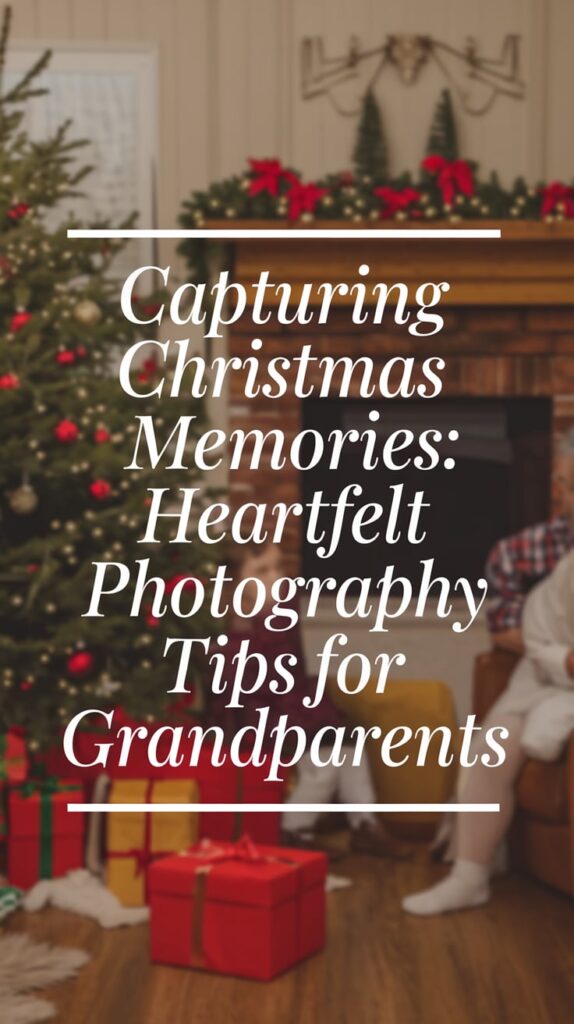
(260, 808)
(286, 233)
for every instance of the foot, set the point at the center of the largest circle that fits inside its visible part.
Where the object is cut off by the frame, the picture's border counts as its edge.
(376, 841)
(466, 886)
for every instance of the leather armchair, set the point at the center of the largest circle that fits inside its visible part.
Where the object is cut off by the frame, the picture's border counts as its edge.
(542, 835)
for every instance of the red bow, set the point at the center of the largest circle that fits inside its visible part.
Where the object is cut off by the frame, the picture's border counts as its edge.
(454, 177)
(268, 176)
(303, 198)
(213, 853)
(397, 199)
(555, 195)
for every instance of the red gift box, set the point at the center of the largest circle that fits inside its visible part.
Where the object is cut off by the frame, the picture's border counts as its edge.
(218, 785)
(13, 759)
(236, 908)
(44, 839)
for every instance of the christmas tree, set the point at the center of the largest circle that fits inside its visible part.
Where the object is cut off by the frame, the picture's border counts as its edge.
(370, 153)
(443, 138)
(67, 431)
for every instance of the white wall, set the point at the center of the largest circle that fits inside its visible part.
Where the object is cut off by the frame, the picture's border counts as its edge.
(229, 80)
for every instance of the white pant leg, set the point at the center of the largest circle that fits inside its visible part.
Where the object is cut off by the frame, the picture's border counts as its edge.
(355, 786)
(314, 786)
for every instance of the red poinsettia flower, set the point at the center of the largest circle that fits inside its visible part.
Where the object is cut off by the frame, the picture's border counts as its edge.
(19, 320)
(101, 435)
(395, 200)
(66, 432)
(65, 357)
(267, 176)
(303, 198)
(453, 177)
(9, 382)
(557, 198)
(100, 489)
(80, 664)
(18, 211)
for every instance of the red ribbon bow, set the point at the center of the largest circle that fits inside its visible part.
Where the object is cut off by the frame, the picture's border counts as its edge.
(214, 853)
(267, 176)
(555, 195)
(396, 199)
(453, 177)
(303, 198)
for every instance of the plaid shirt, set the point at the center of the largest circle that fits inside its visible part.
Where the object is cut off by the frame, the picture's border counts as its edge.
(517, 563)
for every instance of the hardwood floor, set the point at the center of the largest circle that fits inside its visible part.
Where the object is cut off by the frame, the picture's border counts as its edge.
(512, 960)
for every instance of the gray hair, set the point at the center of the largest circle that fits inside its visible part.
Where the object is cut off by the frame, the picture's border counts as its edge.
(566, 444)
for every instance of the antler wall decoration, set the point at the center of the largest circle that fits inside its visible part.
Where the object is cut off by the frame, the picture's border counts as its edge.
(477, 80)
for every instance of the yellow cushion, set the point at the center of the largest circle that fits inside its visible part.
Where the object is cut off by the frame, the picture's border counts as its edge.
(413, 703)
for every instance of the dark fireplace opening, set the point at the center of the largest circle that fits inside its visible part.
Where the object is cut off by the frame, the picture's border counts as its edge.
(500, 483)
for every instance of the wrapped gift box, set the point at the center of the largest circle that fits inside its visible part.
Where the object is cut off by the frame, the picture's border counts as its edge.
(13, 760)
(225, 784)
(230, 784)
(44, 839)
(13, 767)
(237, 909)
(135, 839)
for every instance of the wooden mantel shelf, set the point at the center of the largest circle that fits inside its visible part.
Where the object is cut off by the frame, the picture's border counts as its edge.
(531, 265)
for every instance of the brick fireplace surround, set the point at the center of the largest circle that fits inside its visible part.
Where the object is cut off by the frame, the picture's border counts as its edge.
(509, 325)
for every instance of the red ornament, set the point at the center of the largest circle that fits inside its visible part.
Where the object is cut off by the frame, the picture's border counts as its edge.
(557, 198)
(303, 198)
(267, 176)
(65, 357)
(80, 664)
(101, 435)
(148, 371)
(66, 432)
(18, 211)
(171, 584)
(151, 308)
(32, 567)
(81, 352)
(346, 178)
(9, 382)
(100, 489)
(151, 619)
(453, 177)
(26, 685)
(19, 320)
(395, 200)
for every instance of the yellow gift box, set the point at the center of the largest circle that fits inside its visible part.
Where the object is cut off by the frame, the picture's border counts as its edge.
(134, 840)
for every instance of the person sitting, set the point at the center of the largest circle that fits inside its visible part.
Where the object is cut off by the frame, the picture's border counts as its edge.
(544, 674)
(314, 785)
(517, 563)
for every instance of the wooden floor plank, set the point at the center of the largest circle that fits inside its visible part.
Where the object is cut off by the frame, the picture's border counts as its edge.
(512, 960)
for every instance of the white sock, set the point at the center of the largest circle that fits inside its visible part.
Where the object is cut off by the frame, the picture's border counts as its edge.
(466, 886)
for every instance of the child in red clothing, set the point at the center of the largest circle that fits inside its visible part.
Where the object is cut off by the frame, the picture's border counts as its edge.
(315, 785)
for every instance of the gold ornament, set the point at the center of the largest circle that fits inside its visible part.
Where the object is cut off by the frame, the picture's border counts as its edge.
(87, 312)
(23, 500)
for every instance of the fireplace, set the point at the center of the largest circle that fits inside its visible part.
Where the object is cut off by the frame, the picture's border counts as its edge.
(508, 344)
(499, 484)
